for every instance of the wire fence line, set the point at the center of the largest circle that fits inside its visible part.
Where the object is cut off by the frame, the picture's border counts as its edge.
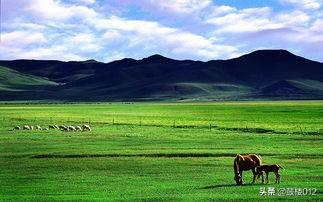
(110, 121)
(9, 121)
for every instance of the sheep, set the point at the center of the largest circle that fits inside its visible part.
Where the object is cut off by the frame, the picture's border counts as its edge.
(78, 128)
(26, 127)
(64, 128)
(61, 126)
(86, 127)
(51, 127)
(16, 128)
(38, 127)
(45, 129)
(71, 128)
(31, 127)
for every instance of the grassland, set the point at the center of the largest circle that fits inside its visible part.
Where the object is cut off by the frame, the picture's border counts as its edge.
(158, 151)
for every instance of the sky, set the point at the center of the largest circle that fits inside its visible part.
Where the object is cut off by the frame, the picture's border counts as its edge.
(107, 30)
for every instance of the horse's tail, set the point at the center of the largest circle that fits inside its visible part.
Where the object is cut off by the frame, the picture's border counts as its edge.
(280, 167)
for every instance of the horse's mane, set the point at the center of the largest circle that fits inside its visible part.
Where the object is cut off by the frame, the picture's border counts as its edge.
(259, 158)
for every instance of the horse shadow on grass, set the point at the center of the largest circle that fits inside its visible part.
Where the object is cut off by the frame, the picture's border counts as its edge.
(227, 185)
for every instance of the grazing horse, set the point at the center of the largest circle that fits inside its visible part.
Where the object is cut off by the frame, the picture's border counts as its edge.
(245, 162)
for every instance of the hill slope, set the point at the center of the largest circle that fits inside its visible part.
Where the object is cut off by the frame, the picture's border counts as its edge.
(263, 74)
(12, 80)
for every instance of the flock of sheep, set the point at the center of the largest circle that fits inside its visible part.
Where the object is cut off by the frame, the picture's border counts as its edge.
(84, 127)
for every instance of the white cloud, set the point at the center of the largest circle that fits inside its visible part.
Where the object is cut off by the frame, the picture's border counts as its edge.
(34, 45)
(54, 52)
(153, 36)
(182, 6)
(111, 35)
(87, 1)
(304, 4)
(195, 29)
(317, 26)
(22, 38)
(82, 43)
(313, 34)
(246, 20)
(49, 9)
(257, 19)
(56, 11)
(292, 19)
(221, 10)
(82, 38)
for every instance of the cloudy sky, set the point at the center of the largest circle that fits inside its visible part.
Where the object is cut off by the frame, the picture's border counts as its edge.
(107, 30)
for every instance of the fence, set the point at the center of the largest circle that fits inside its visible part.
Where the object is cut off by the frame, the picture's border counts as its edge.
(11, 121)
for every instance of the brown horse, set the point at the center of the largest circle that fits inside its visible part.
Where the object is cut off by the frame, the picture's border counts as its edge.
(245, 162)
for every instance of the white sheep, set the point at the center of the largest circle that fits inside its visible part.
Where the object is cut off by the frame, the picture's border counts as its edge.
(38, 127)
(26, 127)
(71, 128)
(78, 128)
(16, 128)
(62, 127)
(86, 127)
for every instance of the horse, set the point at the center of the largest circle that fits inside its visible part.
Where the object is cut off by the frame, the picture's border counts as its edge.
(244, 163)
(267, 169)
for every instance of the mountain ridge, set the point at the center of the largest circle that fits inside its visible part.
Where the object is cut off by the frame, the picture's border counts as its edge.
(262, 74)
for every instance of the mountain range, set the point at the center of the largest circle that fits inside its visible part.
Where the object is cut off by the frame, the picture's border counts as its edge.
(262, 74)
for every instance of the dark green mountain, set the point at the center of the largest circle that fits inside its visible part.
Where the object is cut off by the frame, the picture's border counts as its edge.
(263, 74)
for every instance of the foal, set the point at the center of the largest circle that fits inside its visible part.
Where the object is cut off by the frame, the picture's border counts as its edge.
(268, 168)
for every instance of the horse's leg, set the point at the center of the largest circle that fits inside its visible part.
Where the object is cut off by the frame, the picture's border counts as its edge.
(262, 177)
(258, 175)
(277, 177)
(267, 177)
(254, 175)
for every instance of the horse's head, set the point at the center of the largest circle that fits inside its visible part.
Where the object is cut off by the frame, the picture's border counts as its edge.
(238, 179)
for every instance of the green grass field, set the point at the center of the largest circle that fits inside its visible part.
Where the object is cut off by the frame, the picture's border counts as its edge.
(158, 151)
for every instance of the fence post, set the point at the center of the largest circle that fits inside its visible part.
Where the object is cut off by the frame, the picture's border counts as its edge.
(301, 130)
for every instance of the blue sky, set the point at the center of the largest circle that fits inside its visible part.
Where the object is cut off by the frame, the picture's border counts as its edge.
(107, 30)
